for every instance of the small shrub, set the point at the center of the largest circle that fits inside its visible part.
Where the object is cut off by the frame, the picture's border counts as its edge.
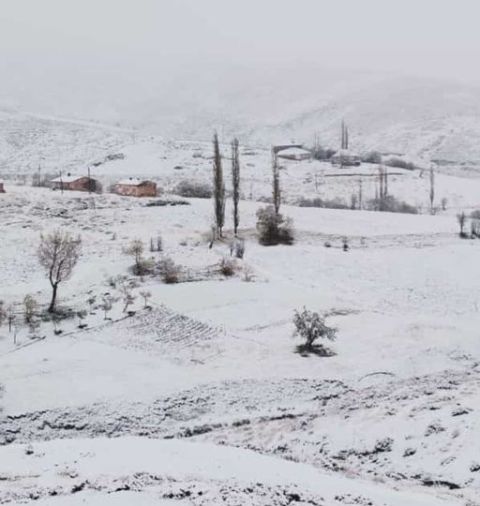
(400, 163)
(237, 248)
(248, 274)
(311, 327)
(475, 228)
(144, 267)
(81, 315)
(191, 189)
(462, 219)
(391, 205)
(325, 204)
(372, 157)
(227, 267)
(30, 306)
(166, 202)
(321, 153)
(168, 270)
(273, 228)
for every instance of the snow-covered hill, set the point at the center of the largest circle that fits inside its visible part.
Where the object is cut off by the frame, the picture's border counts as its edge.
(433, 119)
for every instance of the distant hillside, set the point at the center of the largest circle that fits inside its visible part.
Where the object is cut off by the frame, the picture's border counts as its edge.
(421, 118)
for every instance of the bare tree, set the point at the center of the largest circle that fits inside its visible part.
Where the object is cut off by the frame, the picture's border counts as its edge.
(276, 191)
(135, 249)
(58, 253)
(218, 188)
(235, 185)
(125, 289)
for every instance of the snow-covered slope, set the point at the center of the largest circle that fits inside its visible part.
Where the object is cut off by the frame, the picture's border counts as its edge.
(431, 118)
(200, 474)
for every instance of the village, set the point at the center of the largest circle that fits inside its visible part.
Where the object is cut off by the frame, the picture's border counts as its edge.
(158, 290)
(239, 252)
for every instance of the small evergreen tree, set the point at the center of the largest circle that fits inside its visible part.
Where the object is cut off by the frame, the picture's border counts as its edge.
(276, 192)
(235, 185)
(218, 188)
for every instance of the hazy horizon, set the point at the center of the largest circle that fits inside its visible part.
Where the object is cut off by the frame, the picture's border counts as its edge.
(427, 39)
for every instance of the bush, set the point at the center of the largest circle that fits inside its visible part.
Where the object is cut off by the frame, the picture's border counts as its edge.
(237, 248)
(372, 157)
(273, 228)
(227, 267)
(191, 189)
(144, 267)
(392, 205)
(462, 220)
(475, 228)
(311, 327)
(321, 153)
(167, 202)
(400, 163)
(168, 270)
(326, 204)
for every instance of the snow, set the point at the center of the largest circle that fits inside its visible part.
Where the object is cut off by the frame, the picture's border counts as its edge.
(132, 181)
(69, 178)
(98, 462)
(204, 390)
(294, 151)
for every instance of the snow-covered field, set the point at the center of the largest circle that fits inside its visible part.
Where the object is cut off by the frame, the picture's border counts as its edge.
(201, 398)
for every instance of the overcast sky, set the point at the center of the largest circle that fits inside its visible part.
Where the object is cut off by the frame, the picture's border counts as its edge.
(424, 37)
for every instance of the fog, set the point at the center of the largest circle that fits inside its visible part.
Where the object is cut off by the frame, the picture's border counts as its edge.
(96, 57)
(438, 37)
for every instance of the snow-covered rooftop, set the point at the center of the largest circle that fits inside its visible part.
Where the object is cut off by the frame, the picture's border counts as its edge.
(132, 181)
(69, 178)
(294, 151)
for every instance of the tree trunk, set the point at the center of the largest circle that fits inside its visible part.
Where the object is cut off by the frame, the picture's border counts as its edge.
(51, 308)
